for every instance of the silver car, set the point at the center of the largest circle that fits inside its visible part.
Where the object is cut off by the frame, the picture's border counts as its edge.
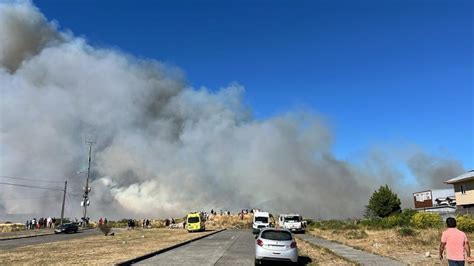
(275, 244)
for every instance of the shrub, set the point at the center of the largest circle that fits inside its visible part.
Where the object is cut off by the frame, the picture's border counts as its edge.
(424, 220)
(105, 229)
(335, 225)
(406, 216)
(392, 221)
(310, 222)
(379, 223)
(407, 231)
(465, 223)
(356, 234)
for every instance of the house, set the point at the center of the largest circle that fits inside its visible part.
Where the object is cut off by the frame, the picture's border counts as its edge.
(464, 191)
(435, 200)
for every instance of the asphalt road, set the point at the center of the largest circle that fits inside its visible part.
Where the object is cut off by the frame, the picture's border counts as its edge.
(230, 247)
(15, 243)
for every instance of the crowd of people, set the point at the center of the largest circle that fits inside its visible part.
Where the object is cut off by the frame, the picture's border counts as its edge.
(145, 223)
(34, 223)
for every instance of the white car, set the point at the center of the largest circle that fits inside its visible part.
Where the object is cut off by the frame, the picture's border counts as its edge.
(275, 245)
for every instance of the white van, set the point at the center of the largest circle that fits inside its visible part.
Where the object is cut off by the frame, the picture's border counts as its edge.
(260, 220)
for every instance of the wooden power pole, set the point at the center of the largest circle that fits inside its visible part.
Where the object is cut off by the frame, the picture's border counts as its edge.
(64, 202)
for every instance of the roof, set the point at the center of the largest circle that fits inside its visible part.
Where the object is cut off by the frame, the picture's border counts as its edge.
(464, 177)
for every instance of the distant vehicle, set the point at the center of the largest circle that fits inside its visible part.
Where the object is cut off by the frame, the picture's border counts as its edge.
(195, 222)
(275, 245)
(292, 222)
(66, 228)
(260, 220)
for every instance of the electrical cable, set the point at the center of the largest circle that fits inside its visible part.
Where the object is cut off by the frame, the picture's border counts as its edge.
(30, 179)
(22, 185)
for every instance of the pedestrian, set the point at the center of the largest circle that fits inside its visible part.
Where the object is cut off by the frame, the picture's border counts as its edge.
(105, 220)
(100, 221)
(27, 224)
(456, 243)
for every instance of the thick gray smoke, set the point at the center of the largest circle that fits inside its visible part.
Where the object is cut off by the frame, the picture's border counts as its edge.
(163, 148)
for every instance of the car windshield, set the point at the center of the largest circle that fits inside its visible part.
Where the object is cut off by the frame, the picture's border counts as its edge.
(292, 219)
(276, 235)
(261, 219)
(192, 220)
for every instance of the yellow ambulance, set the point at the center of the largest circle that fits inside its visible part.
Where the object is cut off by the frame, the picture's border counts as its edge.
(195, 222)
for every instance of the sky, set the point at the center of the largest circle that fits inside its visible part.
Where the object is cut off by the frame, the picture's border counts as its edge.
(379, 72)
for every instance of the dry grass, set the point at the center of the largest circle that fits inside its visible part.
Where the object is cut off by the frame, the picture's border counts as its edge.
(408, 249)
(230, 222)
(97, 249)
(319, 256)
(23, 233)
(5, 228)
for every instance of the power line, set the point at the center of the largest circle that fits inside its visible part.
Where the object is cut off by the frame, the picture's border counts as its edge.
(28, 198)
(30, 179)
(21, 185)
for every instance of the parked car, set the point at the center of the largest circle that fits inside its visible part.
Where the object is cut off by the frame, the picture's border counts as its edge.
(66, 228)
(260, 220)
(275, 245)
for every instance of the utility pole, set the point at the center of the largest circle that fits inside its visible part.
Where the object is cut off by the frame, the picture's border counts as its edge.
(64, 201)
(87, 189)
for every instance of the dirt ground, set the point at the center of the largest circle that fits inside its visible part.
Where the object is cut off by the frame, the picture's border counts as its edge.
(421, 249)
(317, 255)
(99, 250)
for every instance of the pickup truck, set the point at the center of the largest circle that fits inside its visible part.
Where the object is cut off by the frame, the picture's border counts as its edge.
(292, 222)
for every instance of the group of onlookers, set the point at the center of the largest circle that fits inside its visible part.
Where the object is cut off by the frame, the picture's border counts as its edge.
(40, 223)
(146, 223)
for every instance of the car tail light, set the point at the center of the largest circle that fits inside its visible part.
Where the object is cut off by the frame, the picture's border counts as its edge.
(293, 245)
(260, 242)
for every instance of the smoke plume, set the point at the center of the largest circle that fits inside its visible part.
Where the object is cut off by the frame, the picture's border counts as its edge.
(161, 147)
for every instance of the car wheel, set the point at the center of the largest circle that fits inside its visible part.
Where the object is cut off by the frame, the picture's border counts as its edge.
(258, 262)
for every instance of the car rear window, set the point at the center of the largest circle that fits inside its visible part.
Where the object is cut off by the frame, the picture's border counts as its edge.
(261, 219)
(292, 219)
(193, 220)
(276, 235)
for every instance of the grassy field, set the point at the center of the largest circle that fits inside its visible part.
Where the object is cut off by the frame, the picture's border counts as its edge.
(319, 256)
(11, 227)
(99, 250)
(421, 248)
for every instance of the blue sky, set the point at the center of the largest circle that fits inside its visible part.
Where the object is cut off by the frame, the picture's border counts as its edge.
(380, 72)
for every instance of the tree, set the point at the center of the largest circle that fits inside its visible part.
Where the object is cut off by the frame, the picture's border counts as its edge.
(382, 203)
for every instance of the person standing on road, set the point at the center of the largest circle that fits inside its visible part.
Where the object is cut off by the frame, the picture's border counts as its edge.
(455, 242)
